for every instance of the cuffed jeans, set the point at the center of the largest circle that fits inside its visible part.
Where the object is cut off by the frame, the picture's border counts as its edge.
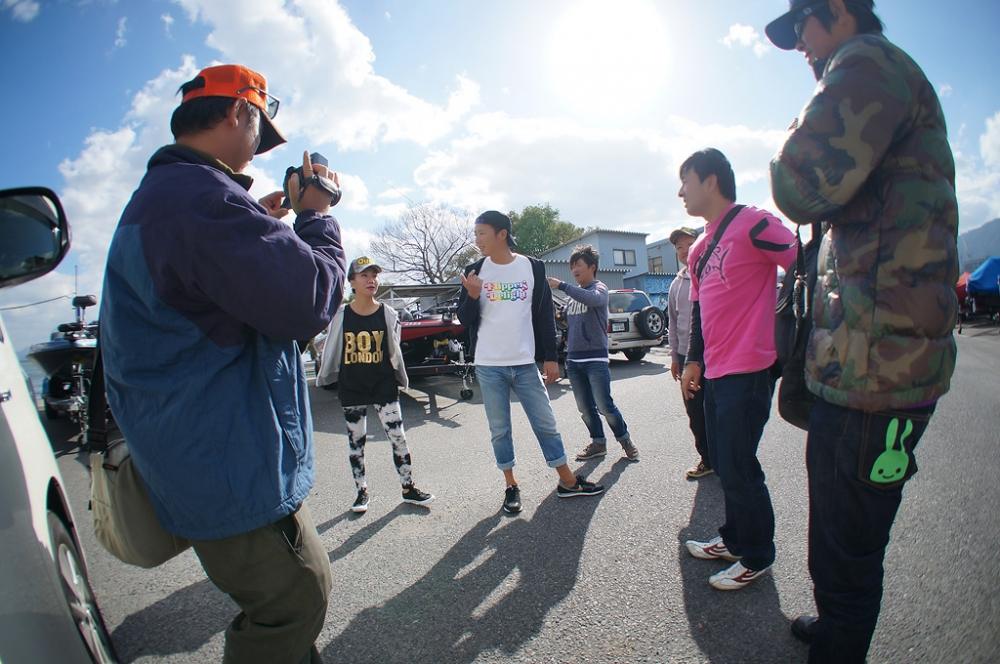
(496, 384)
(858, 463)
(736, 409)
(591, 382)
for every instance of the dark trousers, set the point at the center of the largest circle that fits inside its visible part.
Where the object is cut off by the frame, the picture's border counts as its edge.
(279, 576)
(857, 464)
(696, 420)
(736, 410)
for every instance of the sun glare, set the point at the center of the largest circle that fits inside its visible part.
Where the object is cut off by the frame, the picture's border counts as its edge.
(609, 57)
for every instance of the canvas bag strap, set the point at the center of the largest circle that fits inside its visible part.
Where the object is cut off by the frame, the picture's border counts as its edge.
(97, 407)
(715, 239)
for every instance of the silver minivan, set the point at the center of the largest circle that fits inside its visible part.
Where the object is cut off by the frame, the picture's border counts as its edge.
(47, 608)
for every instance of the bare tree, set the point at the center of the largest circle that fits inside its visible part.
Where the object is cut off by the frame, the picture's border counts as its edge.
(431, 243)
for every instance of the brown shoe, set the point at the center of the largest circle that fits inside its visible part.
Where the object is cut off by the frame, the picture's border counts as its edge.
(592, 451)
(631, 451)
(699, 471)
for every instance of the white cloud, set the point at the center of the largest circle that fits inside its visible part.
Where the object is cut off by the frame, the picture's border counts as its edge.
(607, 178)
(977, 178)
(390, 212)
(24, 11)
(395, 193)
(168, 23)
(745, 36)
(989, 142)
(120, 31)
(388, 16)
(321, 66)
(945, 90)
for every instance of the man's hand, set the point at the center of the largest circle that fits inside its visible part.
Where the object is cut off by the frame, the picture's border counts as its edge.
(551, 371)
(690, 380)
(272, 203)
(472, 284)
(553, 282)
(310, 198)
(675, 369)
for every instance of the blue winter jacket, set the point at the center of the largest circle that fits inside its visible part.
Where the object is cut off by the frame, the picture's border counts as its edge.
(204, 296)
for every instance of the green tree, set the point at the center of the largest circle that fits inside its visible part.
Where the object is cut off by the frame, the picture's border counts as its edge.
(539, 228)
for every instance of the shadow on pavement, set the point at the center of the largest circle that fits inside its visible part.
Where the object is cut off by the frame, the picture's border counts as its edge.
(730, 626)
(491, 591)
(650, 366)
(363, 535)
(195, 615)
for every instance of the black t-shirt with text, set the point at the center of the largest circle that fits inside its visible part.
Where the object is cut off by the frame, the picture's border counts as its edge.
(366, 375)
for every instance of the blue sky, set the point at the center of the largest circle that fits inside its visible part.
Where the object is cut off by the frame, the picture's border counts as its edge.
(587, 105)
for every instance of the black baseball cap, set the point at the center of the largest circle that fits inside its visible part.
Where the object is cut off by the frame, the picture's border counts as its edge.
(500, 222)
(781, 31)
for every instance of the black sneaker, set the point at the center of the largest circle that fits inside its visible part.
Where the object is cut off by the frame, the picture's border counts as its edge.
(581, 488)
(804, 628)
(415, 496)
(512, 500)
(361, 502)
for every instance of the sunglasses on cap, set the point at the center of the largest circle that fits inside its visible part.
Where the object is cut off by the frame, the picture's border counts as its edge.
(800, 23)
(270, 102)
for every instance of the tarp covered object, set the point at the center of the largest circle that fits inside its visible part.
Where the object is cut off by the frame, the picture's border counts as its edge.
(961, 288)
(984, 279)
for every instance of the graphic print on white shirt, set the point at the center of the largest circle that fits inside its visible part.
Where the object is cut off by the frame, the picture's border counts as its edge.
(506, 337)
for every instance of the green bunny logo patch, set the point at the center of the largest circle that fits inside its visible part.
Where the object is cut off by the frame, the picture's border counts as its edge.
(891, 465)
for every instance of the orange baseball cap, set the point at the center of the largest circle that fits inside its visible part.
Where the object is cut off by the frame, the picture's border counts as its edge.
(239, 82)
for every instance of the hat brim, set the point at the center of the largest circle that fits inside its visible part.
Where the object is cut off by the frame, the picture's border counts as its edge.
(270, 137)
(781, 31)
(678, 234)
(351, 273)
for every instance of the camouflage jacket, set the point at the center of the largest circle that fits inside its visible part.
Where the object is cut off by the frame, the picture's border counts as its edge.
(869, 155)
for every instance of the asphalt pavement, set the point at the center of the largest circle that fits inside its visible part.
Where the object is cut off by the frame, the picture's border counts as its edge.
(603, 579)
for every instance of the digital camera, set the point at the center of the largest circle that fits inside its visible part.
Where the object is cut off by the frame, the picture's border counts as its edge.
(326, 184)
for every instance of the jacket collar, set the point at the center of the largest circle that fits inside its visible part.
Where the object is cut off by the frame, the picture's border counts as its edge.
(176, 153)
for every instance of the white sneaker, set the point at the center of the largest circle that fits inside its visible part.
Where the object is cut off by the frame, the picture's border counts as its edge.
(711, 550)
(735, 577)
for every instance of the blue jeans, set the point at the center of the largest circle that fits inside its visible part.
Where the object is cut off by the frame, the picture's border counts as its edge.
(496, 384)
(736, 410)
(591, 383)
(858, 463)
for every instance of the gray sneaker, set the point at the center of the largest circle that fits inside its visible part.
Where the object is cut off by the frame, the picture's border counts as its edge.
(592, 451)
(631, 451)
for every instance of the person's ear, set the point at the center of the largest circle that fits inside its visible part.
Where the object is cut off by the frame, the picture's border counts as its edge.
(233, 114)
(837, 10)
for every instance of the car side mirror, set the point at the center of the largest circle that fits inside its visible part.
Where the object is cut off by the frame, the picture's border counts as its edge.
(34, 234)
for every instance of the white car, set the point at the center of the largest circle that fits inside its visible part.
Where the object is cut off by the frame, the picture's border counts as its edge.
(634, 324)
(47, 608)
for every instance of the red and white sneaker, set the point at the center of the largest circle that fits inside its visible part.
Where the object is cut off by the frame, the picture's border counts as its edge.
(711, 550)
(735, 577)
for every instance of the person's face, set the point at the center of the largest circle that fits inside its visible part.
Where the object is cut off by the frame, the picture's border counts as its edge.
(488, 239)
(366, 281)
(694, 192)
(582, 273)
(816, 42)
(248, 132)
(683, 246)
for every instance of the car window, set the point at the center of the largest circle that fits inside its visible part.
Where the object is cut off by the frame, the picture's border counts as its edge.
(621, 303)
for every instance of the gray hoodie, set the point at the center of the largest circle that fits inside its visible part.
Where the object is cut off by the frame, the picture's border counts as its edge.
(587, 315)
(679, 314)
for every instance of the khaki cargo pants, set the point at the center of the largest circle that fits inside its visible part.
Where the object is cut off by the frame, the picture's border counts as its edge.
(279, 575)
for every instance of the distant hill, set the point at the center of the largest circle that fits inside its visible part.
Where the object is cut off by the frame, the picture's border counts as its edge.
(977, 245)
